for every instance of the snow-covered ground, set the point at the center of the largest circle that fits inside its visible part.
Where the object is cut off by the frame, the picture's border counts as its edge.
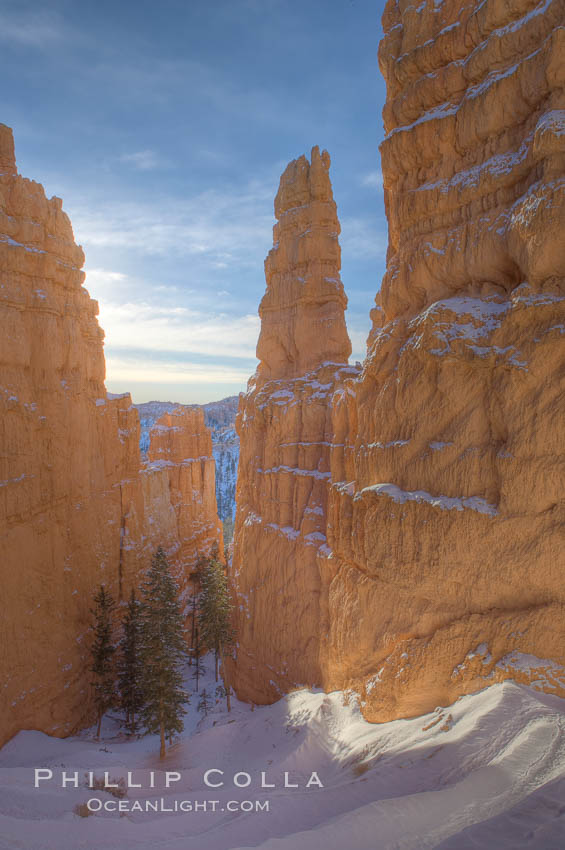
(487, 772)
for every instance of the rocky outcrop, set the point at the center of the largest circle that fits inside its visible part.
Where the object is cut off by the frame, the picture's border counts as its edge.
(219, 417)
(180, 451)
(441, 568)
(75, 509)
(149, 413)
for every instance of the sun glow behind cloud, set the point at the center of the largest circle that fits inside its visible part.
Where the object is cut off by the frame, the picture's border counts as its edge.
(151, 344)
(179, 329)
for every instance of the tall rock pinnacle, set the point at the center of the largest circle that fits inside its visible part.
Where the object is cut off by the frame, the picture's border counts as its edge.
(7, 152)
(285, 430)
(302, 311)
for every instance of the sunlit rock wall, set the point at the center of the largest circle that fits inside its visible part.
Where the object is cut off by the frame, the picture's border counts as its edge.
(444, 550)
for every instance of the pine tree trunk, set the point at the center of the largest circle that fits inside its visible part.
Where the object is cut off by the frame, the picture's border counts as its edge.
(197, 659)
(193, 629)
(225, 677)
(162, 750)
(99, 724)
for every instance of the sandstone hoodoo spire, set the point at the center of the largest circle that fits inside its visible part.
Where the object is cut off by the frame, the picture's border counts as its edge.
(302, 311)
(284, 424)
(7, 153)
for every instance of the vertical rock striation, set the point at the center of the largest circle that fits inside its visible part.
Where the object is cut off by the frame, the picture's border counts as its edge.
(284, 425)
(443, 503)
(452, 507)
(75, 511)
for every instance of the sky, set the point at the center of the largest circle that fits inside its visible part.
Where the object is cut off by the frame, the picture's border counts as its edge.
(165, 129)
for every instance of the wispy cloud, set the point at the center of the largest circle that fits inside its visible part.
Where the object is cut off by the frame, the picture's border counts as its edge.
(224, 227)
(144, 370)
(358, 343)
(361, 239)
(178, 330)
(144, 160)
(185, 382)
(185, 341)
(372, 180)
(31, 29)
(164, 288)
(104, 279)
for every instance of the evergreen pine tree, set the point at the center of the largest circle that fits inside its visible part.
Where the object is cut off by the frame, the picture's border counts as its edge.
(164, 652)
(195, 577)
(193, 606)
(199, 668)
(215, 616)
(130, 664)
(204, 703)
(102, 652)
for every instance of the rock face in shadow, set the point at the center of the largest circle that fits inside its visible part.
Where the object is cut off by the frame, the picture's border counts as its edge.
(441, 571)
(75, 508)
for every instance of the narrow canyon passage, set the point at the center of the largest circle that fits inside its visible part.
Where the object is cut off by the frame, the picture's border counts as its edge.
(389, 533)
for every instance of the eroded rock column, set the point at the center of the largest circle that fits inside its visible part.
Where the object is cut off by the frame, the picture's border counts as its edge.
(284, 425)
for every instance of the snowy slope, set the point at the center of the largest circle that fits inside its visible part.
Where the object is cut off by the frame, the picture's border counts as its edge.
(487, 772)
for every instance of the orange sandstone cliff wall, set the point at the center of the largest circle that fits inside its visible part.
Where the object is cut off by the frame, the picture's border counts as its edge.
(443, 510)
(76, 510)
